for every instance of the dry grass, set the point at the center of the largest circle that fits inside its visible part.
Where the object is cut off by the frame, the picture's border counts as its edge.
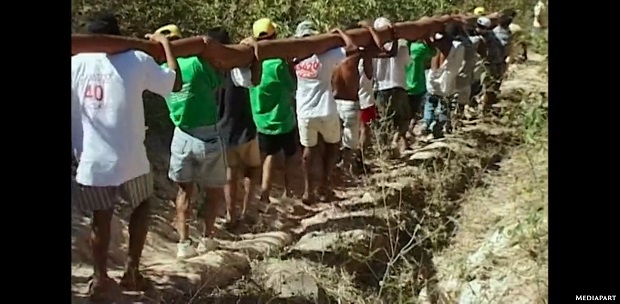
(501, 251)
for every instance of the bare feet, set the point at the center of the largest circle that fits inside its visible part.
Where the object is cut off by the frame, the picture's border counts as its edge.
(133, 280)
(326, 194)
(308, 198)
(99, 288)
(288, 194)
(264, 196)
(231, 224)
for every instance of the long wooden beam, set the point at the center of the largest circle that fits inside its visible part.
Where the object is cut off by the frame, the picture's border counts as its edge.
(229, 56)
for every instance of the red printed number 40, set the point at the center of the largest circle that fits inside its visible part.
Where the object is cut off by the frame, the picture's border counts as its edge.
(94, 92)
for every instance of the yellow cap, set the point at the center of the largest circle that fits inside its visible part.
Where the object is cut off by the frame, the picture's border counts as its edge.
(263, 27)
(479, 11)
(170, 31)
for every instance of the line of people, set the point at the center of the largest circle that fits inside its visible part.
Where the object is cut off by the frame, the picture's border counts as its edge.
(229, 125)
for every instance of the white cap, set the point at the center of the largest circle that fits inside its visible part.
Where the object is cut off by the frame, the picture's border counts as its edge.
(306, 28)
(484, 22)
(381, 22)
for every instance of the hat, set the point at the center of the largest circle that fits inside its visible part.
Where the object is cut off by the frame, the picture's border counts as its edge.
(381, 22)
(306, 28)
(170, 31)
(263, 27)
(484, 22)
(479, 11)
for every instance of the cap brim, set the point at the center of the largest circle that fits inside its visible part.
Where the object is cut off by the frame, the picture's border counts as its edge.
(306, 33)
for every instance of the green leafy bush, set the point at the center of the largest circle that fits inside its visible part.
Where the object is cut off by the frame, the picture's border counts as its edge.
(196, 17)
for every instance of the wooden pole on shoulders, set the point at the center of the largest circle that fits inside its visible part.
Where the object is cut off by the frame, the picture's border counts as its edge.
(225, 57)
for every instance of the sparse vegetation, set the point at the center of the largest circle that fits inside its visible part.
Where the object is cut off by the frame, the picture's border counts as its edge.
(461, 217)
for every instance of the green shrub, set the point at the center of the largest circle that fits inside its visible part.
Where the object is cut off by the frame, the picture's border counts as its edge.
(196, 17)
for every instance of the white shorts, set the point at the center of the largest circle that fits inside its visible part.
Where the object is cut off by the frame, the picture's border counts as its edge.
(349, 113)
(309, 129)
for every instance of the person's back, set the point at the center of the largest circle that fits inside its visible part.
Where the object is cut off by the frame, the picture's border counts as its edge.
(466, 74)
(235, 113)
(345, 79)
(195, 106)
(314, 89)
(494, 48)
(238, 131)
(390, 89)
(390, 72)
(467, 70)
(197, 152)
(478, 70)
(441, 80)
(271, 99)
(365, 92)
(504, 36)
(421, 54)
(107, 137)
(108, 128)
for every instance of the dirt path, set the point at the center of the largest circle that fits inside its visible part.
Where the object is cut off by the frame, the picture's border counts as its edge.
(402, 210)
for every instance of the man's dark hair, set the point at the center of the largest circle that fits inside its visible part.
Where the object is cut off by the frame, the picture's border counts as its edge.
(103, 23)
(452, 30)
(351, 25)
(470, 29)
(504, 21)
(510, 12)
(219, 34)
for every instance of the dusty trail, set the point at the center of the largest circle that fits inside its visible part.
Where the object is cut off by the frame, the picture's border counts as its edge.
(386, 215)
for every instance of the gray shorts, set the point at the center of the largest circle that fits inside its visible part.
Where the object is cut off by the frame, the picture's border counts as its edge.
(132, 192)
(199, 157)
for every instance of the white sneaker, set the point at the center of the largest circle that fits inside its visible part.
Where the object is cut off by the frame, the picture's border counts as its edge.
(185, 250)
(207, 244)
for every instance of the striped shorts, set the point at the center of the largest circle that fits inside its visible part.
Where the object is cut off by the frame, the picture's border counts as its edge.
(132, 192)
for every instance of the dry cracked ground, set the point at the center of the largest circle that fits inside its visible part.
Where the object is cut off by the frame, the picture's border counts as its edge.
(457, 220)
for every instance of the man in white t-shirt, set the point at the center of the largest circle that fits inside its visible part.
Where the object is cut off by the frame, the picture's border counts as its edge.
(441, 79)
(540, 17)
(390, 86)
(316, 109)
(368, 109)
(107, 135)
(466, 74)
(348, 80)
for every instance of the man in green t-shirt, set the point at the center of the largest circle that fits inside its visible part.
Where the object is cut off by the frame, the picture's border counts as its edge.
(272, 111)
(197, 151)
(421, 54)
